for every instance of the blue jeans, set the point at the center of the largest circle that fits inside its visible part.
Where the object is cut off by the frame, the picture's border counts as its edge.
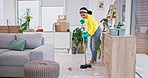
(94, 40)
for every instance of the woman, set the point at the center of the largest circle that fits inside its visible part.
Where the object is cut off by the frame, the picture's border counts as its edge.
(94, 31)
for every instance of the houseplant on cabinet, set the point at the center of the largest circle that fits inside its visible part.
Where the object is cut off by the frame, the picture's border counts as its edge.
(104, 21)
(25, 21)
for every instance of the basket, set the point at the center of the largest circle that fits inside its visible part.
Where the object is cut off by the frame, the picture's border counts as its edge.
(121, 32)
(113, 32)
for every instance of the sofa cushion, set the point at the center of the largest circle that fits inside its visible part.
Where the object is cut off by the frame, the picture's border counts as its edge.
(32, 40)
(15, 58)
(18, 45)
(3, 50)
(6, 39)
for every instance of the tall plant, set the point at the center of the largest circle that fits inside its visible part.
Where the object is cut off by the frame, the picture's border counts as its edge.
(25, 21)
(77, 36)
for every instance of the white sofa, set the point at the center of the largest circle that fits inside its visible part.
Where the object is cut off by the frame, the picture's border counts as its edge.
(12, 61)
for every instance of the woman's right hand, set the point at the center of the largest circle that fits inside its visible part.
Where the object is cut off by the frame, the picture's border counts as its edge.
(82, 21)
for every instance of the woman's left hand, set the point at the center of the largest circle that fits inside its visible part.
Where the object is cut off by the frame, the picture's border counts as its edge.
(85, 35)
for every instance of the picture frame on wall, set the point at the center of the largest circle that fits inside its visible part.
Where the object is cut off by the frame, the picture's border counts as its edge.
(101, 4)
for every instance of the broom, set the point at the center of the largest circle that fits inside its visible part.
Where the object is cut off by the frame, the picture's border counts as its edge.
(84, 66)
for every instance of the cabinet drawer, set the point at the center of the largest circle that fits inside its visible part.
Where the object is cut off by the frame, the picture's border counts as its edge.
(48, 34)
(49, 40)
(62, 40)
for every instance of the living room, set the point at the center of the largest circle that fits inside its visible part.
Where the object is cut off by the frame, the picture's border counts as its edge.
(54, 38)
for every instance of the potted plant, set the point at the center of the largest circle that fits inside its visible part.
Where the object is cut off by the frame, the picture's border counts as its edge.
(77, 40)
(121, 29)
(105, 23)
(99, 49)
(25, 21)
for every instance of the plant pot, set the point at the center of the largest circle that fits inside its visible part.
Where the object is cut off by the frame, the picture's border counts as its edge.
(74, 49)
(81, 48)
(121, 32)
(113, 32)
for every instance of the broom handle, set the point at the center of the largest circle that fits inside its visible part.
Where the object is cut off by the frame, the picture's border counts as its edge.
(84, 48)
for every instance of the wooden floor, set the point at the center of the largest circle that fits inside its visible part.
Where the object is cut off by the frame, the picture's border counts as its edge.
(74, 61)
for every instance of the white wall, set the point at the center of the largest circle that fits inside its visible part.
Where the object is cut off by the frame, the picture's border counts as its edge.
(73, 6)
(52, 3)
(97, 12)
(71, 10)
(1, 13)
(9, 12)
(128, 16)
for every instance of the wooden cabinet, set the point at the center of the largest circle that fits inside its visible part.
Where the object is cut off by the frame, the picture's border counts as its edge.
(48, 37)
(119, 55)
(62, 40)
(9, 29)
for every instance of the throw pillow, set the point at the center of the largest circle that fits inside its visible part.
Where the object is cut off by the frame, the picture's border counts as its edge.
(18, 45)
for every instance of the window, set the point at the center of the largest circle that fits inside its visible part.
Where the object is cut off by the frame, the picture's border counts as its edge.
(50, 16)
(43, 16)
(34, 7)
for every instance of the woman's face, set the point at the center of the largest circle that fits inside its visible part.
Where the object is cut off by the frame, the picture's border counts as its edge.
(83, 15)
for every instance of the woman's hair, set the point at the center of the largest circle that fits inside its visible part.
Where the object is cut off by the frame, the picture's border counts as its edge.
(89, 12)
(85, 10)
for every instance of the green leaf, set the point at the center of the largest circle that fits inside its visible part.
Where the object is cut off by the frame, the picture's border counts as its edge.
(99, 45)
(76, 36)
